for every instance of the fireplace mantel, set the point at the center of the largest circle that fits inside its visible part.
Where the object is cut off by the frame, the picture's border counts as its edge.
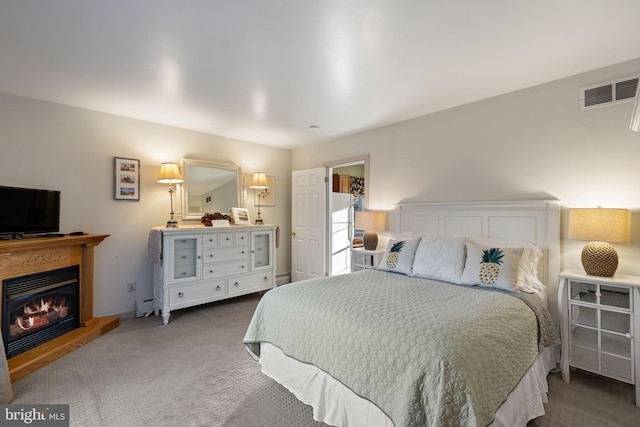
(34, 255)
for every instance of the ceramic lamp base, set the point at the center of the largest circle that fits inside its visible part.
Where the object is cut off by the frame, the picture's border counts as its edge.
(370, 240)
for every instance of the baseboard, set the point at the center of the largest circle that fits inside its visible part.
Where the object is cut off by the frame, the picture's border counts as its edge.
(283, 279)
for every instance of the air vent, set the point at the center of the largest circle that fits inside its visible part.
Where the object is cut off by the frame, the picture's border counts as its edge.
(608, 93)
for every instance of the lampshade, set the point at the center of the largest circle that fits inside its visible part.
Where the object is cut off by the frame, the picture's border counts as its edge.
(604, 225)
(370, 222)
(169, 173)
(601, 227)
(259, 180)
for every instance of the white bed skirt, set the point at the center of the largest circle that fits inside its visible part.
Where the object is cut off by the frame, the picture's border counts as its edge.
(337, 405)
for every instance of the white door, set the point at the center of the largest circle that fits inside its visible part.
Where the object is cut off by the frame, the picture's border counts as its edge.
(308, 211)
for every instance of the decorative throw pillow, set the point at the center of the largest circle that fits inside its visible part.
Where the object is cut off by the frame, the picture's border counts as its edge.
(492, 267)
(399, 255)
(440, 258)
(528, 280)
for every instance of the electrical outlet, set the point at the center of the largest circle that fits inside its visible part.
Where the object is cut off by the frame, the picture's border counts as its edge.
(131, 286)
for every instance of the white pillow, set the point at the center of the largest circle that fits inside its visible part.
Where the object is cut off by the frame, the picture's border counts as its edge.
(399, 255)
(440, 258)
(492, 266)
(528, 280)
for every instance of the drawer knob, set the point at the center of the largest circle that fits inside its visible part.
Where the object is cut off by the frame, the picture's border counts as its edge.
(628, 335)
(227, 238)
(210, 255)
(242, 238)
(210, 271)
(242, 252)
(236, 284)
(180, 294)
(218, 288)
(242, 266)
(266, 279)
(183, 257)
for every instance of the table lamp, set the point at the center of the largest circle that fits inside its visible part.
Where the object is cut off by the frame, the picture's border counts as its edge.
(601, 227)
(370, 222)
(170, 174)
(259, 182)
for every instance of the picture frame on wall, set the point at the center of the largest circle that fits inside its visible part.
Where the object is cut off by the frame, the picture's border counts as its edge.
(240, 216)
(268, 199)
(126, 178)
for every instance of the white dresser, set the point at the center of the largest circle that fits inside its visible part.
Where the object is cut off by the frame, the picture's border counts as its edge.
(205, 264)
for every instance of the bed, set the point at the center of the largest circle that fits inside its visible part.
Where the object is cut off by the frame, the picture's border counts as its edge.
(432, 336)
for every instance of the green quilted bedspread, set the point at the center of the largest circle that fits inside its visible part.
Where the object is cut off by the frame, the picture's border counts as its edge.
(425, 352)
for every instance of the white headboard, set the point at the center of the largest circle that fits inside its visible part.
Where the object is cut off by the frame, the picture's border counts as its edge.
(536, 221)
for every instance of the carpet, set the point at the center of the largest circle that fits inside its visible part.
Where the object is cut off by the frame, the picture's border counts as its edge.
(196, 372)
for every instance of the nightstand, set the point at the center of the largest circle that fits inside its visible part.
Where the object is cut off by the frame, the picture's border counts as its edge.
(362, 259)
(599, 319)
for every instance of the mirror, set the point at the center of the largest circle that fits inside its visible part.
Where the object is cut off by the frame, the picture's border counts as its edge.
(209, 187)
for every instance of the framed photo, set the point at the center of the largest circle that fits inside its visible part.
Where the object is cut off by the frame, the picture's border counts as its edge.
(268, 199)
(240, 216)
(126, 178)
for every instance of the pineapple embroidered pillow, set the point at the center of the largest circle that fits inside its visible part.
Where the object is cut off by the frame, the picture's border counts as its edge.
(495, 267)
(399, 255)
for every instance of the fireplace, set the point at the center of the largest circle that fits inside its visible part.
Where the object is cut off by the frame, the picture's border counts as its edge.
(38, 308)
(19, 258)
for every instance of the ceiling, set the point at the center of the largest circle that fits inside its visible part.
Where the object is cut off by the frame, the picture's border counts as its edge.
(267, 70)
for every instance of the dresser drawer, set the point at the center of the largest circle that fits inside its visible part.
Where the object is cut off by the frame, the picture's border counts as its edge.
(210, 239)
(226, 239)
(184, 271)
(225, 268)
(184, 244)
(184, 257)
(261, 260)
(261, 238)
(241, 237)
(225, 254)
(197, 293)
(261, 252)
(250, 282)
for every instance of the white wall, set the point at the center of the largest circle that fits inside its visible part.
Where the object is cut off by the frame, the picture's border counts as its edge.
(530, 144)
(51, 146)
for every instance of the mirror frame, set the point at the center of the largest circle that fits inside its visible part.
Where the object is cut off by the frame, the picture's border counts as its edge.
(186, 163)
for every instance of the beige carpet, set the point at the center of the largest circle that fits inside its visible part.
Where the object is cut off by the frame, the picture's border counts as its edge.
(196, 372)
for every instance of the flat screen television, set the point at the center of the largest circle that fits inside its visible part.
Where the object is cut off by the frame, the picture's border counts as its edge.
(29, 211)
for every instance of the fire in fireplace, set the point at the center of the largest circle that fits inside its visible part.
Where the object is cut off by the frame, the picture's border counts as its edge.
(38, 308)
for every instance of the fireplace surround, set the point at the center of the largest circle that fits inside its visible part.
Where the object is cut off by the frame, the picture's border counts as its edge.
(25, 257)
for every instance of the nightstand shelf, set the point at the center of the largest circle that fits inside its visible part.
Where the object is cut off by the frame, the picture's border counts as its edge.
(363, 259)
(599, 320)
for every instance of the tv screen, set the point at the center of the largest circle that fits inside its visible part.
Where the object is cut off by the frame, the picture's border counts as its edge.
(29, 211)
